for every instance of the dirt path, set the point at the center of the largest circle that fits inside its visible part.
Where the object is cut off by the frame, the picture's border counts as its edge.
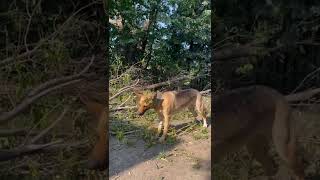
(186, 159)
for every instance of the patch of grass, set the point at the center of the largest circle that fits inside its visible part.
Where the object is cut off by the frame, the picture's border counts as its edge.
(171, 136)
(149, 137)
(171, 139)
(201, 133)
(120, 135)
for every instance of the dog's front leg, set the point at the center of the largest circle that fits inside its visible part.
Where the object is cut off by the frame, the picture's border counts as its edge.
(160, 124)
(165, 127)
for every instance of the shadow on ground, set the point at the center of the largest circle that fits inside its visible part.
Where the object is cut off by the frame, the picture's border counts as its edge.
(185, 158)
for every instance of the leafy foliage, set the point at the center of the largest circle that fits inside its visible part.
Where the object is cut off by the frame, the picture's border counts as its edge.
(177, 41)
(287, 31)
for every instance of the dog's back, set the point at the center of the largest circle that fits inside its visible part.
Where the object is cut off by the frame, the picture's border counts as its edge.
(180, 99)
(250, 116)
(244, 108)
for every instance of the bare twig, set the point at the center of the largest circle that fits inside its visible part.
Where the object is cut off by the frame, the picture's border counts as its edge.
(5, 117)
(302, 95)
(68, 145)
(24, 132)
(37, 124)
(122, 108)
(30, 149)
(29, 22)
(13, 132)
(186, 130)
(125, 133)
(60, 80)
(126, 72)
(302, 104)
(124, 102)
(50, 127)
(304, 79)
(41, 42)
(169, 82)
(124, 89)
(42, 90)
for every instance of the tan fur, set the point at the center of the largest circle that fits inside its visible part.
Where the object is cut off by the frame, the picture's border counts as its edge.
(168, 103)
(94, 96)
(251, 117)
(98, 155)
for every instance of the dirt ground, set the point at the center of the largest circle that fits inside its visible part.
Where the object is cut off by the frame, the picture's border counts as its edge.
(188, 158)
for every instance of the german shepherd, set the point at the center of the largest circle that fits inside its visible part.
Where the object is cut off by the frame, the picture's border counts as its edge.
(251, 117)
(170, 102)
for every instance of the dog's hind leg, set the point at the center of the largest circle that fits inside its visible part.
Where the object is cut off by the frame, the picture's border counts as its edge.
(201, 110)
(165, 127)
(285, 140)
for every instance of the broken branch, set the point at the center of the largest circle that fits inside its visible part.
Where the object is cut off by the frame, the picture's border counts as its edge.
(302, 95)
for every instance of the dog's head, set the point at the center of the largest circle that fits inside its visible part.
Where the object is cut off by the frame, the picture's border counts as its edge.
(145, 100)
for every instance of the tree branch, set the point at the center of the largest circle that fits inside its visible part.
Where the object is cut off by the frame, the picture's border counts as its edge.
(237, 52)
(169, 82)
(124, 89)
(7, 116)
(41, 42)
(305, 78)
(40, 135)
(56, 81)
(13, 132)
(301, 96)
(31, 149)
(41, 90)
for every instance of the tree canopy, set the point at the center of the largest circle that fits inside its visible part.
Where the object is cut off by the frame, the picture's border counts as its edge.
(266, 42)
(166, 38)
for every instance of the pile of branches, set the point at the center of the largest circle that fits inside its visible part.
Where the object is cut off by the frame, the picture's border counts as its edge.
(61, 59)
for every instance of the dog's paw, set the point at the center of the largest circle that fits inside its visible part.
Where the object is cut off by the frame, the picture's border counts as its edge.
(161, 140)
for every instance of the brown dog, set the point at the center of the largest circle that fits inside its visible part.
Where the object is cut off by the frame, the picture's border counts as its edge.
(98, 156)
(168, 103)
(95, 97)
(251, 117)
